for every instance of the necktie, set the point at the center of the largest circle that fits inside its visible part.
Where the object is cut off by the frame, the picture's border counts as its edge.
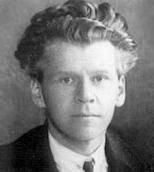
(89, 166)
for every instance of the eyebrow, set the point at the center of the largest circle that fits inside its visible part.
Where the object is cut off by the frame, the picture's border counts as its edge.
(103, 72)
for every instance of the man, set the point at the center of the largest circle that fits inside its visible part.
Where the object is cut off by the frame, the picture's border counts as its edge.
(77, 56)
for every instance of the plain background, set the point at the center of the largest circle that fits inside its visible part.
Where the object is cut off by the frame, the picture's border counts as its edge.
(18, 114)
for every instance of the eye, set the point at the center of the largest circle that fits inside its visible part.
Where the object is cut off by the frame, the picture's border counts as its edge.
(66, 80)
(99, 78)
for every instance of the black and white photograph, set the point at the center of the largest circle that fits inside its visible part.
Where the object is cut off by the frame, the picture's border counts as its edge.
(76, 86)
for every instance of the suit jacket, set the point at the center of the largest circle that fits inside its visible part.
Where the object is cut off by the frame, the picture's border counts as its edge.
(31, 153)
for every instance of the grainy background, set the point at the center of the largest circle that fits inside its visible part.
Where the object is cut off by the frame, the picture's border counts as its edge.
(17, 112)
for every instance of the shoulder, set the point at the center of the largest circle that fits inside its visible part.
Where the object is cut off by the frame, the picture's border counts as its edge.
(24, 148)
(125, 152)
(31, 138)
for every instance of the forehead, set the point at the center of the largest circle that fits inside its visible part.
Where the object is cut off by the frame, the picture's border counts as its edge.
(66, 56)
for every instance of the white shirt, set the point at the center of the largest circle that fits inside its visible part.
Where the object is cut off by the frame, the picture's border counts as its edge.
(68, 160)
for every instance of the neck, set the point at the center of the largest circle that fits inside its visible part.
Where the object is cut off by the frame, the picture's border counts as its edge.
(84, 147)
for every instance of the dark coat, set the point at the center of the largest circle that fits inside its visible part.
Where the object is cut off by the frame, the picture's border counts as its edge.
(31, 153)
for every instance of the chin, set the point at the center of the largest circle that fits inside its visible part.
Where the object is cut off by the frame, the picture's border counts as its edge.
(88, 134)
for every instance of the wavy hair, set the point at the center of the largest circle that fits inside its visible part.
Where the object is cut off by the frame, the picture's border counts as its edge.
(76, 21)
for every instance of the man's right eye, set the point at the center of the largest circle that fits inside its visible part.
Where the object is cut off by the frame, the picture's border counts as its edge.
(66, 80)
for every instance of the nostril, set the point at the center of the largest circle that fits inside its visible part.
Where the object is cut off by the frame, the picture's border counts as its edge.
(85, 100)
(91, 100)
(81, 100)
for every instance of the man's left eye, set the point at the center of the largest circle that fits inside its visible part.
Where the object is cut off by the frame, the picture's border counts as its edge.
(99, 78)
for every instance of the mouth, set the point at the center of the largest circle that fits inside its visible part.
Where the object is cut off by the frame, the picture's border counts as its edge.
(86, 115)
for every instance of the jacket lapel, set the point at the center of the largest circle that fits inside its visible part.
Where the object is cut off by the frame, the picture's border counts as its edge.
(118, 156)
(45, 161)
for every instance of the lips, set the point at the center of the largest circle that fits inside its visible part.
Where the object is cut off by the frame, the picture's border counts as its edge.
(86, 115)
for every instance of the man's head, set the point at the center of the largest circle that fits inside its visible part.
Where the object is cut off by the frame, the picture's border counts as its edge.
(77, 55)
(76, 22)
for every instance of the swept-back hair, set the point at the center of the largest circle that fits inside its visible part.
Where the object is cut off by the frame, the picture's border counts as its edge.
(76, 21)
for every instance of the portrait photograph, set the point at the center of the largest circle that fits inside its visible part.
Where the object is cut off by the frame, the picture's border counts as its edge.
(76, 86)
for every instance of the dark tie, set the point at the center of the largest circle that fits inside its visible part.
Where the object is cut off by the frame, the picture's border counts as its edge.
(88, 166)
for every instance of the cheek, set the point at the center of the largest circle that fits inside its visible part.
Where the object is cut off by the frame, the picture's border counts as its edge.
(108, 94)
(58, 100)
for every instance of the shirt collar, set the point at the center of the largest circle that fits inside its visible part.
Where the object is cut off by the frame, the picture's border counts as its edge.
(62, 154)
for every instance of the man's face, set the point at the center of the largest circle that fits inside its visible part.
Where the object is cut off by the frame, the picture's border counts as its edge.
(81, 88)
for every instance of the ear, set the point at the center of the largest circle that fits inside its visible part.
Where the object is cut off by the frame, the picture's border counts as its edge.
(37, 95)
(121, 91)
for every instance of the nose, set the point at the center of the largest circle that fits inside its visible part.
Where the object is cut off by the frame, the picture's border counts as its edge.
(84, 93)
